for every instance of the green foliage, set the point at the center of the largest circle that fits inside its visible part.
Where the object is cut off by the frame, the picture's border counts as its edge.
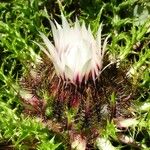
(20, 22)
(48, 145)
(24, 133)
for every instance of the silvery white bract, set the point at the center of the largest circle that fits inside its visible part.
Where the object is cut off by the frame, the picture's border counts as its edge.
(76, 54)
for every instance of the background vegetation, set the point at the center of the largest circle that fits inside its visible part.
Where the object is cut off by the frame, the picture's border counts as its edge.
(127, 22)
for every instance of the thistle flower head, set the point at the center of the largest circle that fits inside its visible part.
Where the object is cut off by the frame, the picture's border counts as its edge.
(76, 54)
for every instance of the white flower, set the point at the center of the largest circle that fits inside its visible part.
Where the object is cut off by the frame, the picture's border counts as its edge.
(76, 54)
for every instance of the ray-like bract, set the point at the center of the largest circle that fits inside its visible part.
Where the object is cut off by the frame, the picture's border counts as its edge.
(76, 54)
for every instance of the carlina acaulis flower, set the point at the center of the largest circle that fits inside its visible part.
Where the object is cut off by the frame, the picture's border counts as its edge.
(76, 54)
